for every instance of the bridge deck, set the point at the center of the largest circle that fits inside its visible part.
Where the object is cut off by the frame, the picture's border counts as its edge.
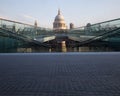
(108, 31)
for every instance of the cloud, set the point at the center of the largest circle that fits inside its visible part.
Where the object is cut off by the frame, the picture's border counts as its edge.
(29, 17)
(4, 17)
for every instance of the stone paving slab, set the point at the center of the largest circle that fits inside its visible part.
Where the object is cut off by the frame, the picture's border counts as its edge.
(60, 74)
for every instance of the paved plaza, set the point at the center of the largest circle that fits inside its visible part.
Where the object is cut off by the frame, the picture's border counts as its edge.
(60, 74)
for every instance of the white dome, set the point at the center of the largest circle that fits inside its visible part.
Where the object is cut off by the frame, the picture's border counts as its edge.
(59, 18)
(59, 22)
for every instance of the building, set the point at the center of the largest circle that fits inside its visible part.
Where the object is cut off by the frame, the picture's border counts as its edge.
(59, 22)
(71, 25)
(35, 24)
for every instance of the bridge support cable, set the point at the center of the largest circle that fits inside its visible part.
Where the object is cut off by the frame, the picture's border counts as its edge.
(99, 37)
(22, 37)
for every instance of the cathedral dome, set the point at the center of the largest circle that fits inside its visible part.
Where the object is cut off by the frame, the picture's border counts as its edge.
(59, 22)
(59, 17)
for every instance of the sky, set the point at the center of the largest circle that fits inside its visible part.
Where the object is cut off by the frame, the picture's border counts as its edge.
(79, 12)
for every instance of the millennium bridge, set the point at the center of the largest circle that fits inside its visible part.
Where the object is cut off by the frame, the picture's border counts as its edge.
(16, 34)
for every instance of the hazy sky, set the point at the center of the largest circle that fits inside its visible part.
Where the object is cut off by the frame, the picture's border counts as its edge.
(78, 12)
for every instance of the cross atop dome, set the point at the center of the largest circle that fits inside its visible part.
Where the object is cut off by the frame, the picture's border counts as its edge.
(59, 12)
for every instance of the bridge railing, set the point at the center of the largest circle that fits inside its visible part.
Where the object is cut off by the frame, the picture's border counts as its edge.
(23, 29)
(96, 29)
(32, 32)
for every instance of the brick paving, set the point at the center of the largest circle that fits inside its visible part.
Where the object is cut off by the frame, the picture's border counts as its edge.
(60, 74)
